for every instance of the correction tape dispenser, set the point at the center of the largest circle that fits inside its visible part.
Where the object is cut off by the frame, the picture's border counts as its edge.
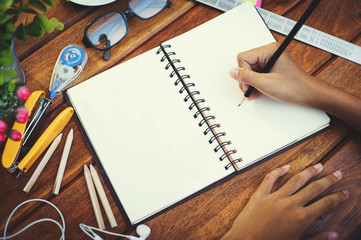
(68, 67)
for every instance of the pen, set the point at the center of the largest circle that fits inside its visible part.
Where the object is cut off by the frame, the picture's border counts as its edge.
(283, 45)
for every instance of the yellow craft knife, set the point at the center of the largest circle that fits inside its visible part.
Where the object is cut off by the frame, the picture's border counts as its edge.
(56, 126)
(13, 148)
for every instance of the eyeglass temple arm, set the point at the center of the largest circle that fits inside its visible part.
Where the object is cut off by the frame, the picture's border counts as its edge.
(106, 55)
(145, 4)
(86, 42)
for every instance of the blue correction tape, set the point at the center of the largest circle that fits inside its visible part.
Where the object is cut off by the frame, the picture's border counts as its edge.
(68, 67)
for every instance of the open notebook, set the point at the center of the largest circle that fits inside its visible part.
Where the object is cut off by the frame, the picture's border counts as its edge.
(142, 118)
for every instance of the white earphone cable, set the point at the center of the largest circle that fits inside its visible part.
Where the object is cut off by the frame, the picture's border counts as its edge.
(62, 227)
(142, 230)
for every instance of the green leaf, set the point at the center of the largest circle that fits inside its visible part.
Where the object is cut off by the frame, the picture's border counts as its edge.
(20, 32)
(60, 26)
(2, 79)
(43, 21)
(3, 17)
(50, 28)
(39, 5)
(6, 60)
(10, 27)
(50, 3)
(5, 36)
(35, 29)
(12, 11)
(29, 10)
(4, 4)
(56, 24)
(10, 73)
(54, 21)
(11, 86)
(4, 46)
(14, 81)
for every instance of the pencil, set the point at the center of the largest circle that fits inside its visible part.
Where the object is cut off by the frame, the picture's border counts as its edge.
(93, 198)
(284, 44)
(63, 160)
(43, 163)
(103, 197)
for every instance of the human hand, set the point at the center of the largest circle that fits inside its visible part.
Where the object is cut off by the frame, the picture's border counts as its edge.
(284, 214)
(287, 81)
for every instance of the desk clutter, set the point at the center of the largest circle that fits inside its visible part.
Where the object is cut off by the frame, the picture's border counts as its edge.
(142, 230)
(156, 139)
(20, 155)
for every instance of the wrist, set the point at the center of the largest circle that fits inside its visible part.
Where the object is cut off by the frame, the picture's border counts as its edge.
(236, 235)
(318, 95)
(229, 236)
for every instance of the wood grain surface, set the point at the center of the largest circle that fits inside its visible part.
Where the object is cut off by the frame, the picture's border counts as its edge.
(210, 214)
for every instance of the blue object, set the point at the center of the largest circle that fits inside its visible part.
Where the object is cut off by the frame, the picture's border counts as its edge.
(72, 56)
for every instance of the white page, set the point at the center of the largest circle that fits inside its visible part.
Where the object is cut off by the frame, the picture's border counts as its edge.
(256, 128)
(147, 140)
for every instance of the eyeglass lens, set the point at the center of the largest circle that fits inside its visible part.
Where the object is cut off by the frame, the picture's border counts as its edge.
(147, 8)
(107, 30)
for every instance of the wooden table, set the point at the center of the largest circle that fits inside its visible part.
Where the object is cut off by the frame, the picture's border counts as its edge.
(209, 215)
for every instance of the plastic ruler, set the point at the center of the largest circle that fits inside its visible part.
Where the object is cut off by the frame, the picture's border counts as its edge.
(306, 34)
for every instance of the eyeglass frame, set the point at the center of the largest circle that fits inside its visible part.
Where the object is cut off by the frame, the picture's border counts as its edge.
(126, 15)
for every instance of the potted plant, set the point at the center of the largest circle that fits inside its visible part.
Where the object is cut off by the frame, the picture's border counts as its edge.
(18, 19)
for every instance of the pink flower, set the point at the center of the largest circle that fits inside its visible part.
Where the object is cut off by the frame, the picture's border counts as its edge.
(3, 126)
(3, 137)
(22, 115)
(23, 93)
(15, 135)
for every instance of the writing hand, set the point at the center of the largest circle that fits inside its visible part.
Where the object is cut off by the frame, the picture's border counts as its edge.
(288, 82)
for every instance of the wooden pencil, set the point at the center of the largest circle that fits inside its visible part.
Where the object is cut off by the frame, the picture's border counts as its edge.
(103, 197)
(283, 45)
(43, 163)
(63, 161)
(94, 198)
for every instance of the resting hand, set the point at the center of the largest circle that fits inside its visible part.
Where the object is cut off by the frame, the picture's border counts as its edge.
(283, 214)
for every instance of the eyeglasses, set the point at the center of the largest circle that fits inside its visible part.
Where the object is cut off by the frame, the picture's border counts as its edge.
(110, 28)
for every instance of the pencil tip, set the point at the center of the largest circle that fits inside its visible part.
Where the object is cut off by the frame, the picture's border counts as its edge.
(243, 99)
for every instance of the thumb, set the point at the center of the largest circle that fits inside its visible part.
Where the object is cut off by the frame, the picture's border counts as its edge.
(249, 77)
(324, 236)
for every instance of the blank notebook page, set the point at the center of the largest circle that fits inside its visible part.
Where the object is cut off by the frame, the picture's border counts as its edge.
(256, 128)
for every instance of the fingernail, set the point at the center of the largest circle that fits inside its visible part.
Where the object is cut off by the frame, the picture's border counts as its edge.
(332, 236)
(337, 174)
(234, 73)
(347, 193)
(286, 167)
(318, 166)
(244, 88)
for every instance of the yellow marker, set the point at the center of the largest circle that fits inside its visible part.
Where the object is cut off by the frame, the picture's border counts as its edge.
(45, 139)
(12, 148)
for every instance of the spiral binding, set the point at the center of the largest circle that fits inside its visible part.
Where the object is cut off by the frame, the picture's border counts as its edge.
(196, 103)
